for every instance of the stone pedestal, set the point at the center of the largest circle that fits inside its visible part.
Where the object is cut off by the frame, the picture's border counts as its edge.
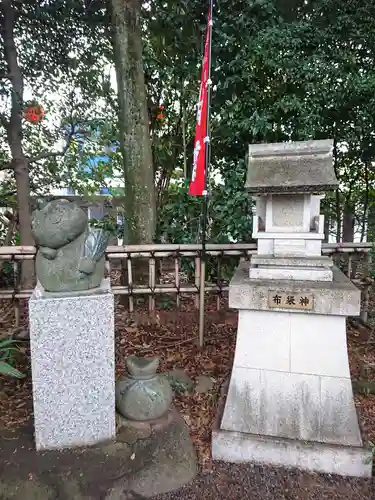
(290, 399)
(73, 367)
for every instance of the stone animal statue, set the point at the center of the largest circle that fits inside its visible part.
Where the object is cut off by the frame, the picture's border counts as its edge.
(70, 256)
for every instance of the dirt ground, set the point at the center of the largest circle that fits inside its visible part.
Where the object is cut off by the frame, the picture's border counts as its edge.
(82, 475)
(173, 336)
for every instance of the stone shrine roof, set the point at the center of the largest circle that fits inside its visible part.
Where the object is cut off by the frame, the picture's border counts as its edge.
(291, 167)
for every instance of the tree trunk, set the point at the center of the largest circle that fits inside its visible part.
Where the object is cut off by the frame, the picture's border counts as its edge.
(371, 223)
(348, 222)
(14, 134)
(365, 202)
(326, 228)
(140, 206)
(21, 172)
(133, 122)
(338, 205)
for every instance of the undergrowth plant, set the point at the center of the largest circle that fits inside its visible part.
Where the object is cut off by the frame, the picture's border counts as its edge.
(8, 350)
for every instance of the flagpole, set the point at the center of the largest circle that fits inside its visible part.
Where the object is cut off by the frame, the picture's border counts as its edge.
(206, 188)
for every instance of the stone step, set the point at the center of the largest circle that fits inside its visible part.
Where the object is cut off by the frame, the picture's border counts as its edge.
(270, 260)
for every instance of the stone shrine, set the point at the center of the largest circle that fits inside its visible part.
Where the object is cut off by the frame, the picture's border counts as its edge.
(290, 401)
(287, 223)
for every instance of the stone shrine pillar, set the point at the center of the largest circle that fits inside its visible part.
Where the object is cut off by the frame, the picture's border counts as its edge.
(290, 401)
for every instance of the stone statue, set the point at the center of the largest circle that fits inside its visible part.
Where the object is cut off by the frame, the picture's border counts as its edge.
(70, 256)
(143, 394)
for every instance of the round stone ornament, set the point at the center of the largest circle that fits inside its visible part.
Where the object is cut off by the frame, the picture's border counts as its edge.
(143, 394)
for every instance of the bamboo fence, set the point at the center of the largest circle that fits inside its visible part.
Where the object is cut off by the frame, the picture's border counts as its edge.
(353, 258)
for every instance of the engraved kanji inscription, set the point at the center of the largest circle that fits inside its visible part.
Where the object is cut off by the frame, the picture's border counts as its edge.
(277, 299)
(304, 301)
(290, 300)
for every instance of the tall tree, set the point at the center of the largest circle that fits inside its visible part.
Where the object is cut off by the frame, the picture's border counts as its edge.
(28, 30)
(133, 121)
(13, 125)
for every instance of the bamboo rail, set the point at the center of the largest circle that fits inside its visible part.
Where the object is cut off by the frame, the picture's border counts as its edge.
(348, 252)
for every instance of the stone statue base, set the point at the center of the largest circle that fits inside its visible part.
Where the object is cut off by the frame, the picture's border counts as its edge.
(276, 451)
(41, 293)
(163, 456)
(290, 401)
(73, 367)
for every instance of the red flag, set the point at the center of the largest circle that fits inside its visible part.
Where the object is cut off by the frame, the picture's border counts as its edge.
(197, 184)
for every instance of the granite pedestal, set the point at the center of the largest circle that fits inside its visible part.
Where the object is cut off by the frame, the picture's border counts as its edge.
(290, 399)
(73, 367)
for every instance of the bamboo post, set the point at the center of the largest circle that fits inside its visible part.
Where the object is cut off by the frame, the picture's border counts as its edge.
(177, 280)
(201, 302)
(197, 280)
(218, 297)
(365, 303)
(130, 284)
(16, 303)
(350, 266)
(366, 289)
(108, 266)
(17, 313)
(152, 283)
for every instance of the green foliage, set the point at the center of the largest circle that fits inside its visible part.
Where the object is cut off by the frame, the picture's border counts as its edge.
(172, 52)
(372, 257)
(8, 350)
(229, 219)
(3, 231)
(109, 224)
(179, 218)
(7, 275)
(65, 67)
(371, 457)
(99, 138)
(231, 215)
(282, 70)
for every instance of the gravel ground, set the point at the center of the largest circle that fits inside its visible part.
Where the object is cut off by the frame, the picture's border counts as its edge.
(247, 482)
